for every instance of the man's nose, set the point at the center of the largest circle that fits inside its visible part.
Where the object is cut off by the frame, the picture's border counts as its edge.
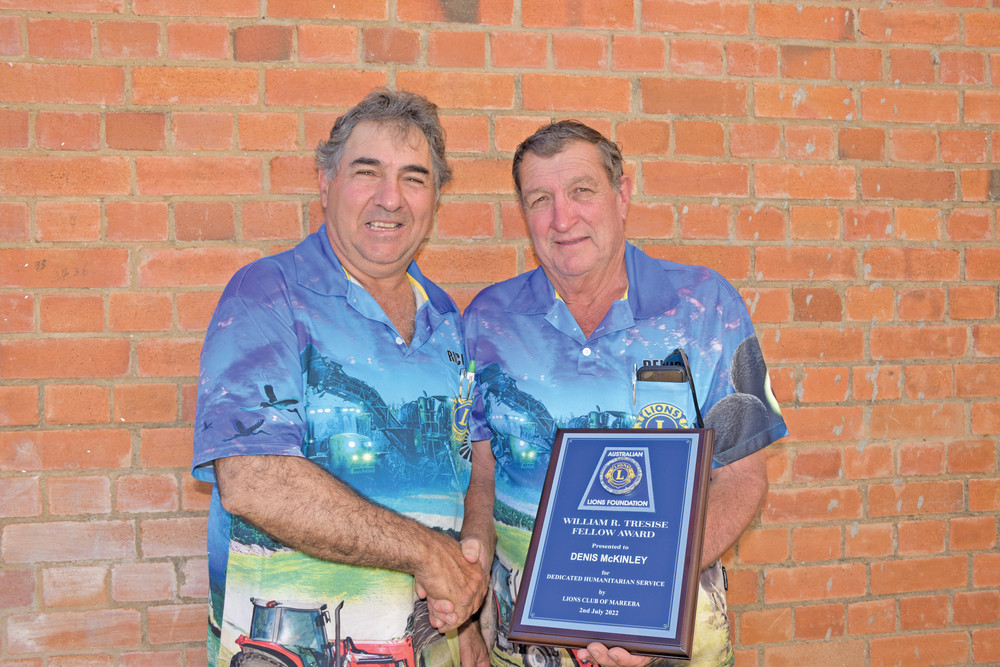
(563, 215)
(388, 194)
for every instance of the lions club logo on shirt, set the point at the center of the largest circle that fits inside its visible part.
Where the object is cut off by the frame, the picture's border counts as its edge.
(661, 415)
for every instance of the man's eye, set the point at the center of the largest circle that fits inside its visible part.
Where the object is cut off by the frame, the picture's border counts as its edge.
(538, 201)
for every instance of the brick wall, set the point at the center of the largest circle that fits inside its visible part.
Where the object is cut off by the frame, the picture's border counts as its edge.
(838, 161)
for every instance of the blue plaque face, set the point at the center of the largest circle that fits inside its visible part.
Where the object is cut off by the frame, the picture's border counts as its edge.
(616, 545)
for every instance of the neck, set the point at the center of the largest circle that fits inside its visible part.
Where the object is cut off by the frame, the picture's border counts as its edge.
(397, 300)
(590, 298)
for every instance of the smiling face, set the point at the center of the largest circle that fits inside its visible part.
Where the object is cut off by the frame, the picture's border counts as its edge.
(380, 205)
(576, 218)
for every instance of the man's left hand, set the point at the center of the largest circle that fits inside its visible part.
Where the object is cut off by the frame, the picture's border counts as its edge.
(615, 657)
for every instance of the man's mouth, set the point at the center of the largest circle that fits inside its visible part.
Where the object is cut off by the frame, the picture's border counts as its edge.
(381, 226)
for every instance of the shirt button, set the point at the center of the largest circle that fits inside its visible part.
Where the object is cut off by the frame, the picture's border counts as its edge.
(399, 341)
(586, 351)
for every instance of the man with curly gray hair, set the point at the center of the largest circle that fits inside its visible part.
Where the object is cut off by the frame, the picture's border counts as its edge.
(328, 396)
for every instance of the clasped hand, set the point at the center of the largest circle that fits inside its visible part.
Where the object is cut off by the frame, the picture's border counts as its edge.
(455, 583)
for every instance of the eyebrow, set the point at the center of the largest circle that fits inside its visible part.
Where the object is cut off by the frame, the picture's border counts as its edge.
(372, 162)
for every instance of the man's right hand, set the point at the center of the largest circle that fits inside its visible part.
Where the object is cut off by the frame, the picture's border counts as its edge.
(454, 581)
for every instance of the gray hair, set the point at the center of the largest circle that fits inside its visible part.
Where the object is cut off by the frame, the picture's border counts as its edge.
(404, 110)
(551, 139)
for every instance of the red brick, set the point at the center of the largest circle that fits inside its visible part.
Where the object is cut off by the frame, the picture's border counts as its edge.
(18, 586)
(766, 626)
(73, 630)
(929, 381)
(143, 582)
(768, 545)
(921, 305)
(909, 26)
(915, 145)
(804, 181)
(820, 621)
(804, 22)
(809, 142)
(198, 175)
(923, 612)
(10, 36)
(909, 106)
(64, 450)
(986, 341)
(681, 16)
(168, 357)
(650, 221)
(696, 57)
(604, 14)
(198, 41)
(68, 541)
(65, 313)
(972, 456)
(821, 304)
(972, 533)
(195, 496)
(557, 92)
(915, 498)
(752, 59)
(146, 493)
(805, 62)
(77, 404)
(805, 262)
(982, 263)
(732, 262)
(968, 225)
(467, 133)
(262, 43)
(693, 97)
(464, 90)
(695, 179)
(704, 221)
(140, 311)
(984, 495)
(145, 403)
(136, 221)
(129, 40)
(59, 38)
(21, 497)
(204, 221)
(19, 405)
(760, 223)
(814, 223)
(465, 220)
(755, 141)
(487, 264)
(869, 541)
(194, 310)
(135, 131)
(343, 10)
(202, 131)
(768, 305)
(166, 447)
(194, 576)
(173, 537)
(639, 53)
(75, 586)
(271, 220)
(170, 624)
(940, 648)
(918, 223)
(912, 264)
(875, 617)
(853, 63)
(798, 506)
(67, 221)
(868, 461)
(456, 49)
(62, 84)
(816, 543)
(13, 128)
(65, 358)
(803, 102)
(574, 51)
(518, 49)
(43, 176)
(977, 380)
(932, 342)
(192, 266)
(698, 138)
(194, 85)
(911, 66)
(327, 43)
(390, 45)
(861, 144)
(644, 137)
(922, 458)
(815, 465)
(986, 645)
(976, 607)
(68, 131)
(982, 29)
(963, 67)
(819, 582)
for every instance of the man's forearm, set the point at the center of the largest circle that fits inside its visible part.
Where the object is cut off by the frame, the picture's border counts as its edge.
(478, 521)
(735, 497)
(308, 509)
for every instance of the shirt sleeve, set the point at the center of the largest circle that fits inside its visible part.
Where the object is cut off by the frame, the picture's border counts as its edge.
(250, 387)
(742, 409)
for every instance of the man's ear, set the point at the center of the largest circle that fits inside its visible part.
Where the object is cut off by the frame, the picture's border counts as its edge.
(625, 194)
(324, 186)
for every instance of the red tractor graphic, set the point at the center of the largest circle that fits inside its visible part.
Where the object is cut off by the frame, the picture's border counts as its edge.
(285, 634)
